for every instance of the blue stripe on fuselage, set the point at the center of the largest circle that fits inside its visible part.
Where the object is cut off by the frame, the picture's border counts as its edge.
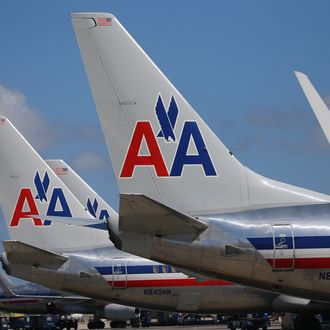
(138, 269)
(301, 242)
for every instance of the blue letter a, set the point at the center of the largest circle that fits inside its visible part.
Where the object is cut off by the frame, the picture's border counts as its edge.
(58, 195)
(191, 130)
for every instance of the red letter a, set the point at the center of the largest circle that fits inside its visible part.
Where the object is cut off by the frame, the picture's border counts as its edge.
(25, 195)
(155, 158)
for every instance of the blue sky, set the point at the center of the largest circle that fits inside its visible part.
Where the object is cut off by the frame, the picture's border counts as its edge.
(232, 60)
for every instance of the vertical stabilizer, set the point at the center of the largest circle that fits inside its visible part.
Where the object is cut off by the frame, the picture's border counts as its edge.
(92, 201)
(30, 192)
(159, 146)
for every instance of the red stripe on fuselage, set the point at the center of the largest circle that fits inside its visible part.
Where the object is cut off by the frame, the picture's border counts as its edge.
(301, 263)
(169, 282)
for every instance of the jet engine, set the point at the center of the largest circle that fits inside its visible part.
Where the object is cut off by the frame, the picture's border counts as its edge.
(115, 312)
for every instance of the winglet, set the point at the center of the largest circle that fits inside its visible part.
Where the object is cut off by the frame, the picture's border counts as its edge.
(139, 213)
(318, 106)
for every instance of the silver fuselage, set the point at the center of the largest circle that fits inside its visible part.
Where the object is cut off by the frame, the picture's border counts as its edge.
(115, 276)
(285, 249)
(31, 298)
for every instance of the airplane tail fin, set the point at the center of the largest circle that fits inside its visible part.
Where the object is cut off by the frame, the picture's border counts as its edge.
(318, 106)
(159, 146)
(93, 202)
(30, 192)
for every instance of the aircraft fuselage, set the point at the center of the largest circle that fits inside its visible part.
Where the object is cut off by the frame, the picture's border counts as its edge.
(112, 275)
(283, 249)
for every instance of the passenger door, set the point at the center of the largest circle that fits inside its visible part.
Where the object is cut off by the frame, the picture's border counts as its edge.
(119, 273)
(283, 247)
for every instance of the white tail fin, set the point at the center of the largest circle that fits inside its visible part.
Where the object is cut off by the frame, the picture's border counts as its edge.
(318, 106)
(93, 202)
(159, 146)
(30, 191)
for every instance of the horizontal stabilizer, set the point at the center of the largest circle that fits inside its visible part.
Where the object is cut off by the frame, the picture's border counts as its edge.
(139, 213)
(318, 106)
(71, 221)
(25, 254)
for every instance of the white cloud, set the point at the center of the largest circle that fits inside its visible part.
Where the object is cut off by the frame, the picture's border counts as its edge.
(27, 120)
(89, 161)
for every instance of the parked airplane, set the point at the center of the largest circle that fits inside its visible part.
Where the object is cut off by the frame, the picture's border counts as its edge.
(86, 195)
(82, 260)
(29, 199)
(31, 298)
(179, 182)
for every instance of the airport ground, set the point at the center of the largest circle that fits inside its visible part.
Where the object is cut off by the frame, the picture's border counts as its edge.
(208, 327)
(274, 326)
(195, 327)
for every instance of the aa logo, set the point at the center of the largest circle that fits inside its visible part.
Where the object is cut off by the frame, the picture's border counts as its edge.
(144, 133)
(93, 209)
(27, 203)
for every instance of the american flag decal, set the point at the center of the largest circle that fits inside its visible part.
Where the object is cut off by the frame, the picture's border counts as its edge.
(61, 170)
(104, 21)
(2, 121)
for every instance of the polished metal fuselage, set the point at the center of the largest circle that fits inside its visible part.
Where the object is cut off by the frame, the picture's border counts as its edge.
(33, 299)
(246, 247)
(224, 250)
(80, 275)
